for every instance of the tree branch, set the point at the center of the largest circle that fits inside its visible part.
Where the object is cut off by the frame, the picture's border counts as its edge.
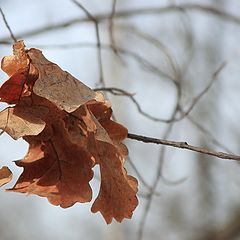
(184, 145)
(7, 25)
(133, 13)
(98, 40)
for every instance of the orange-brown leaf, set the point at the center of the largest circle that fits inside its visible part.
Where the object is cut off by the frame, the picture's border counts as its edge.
(12, 89)
(117, 197)
(5, 176)
(55, 167)
(69, 130)
(18, 61)
(56, 170)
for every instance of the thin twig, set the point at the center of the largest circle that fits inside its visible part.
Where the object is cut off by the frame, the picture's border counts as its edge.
(154, 42)
(161, 161)
(111, 26)
(184, 145)
(143, 62)
(121, 92)
(221, 13)
(201, 94)
(7, 25)
(208, 133)
(98, 40)
(171, 182)
(141, 178)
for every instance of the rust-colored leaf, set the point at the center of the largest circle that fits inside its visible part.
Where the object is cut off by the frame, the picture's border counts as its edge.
(5, 176)
(56, 169)
(69, 130)
(117, 196)
(16, 67)
(12, 89)
(12, 64)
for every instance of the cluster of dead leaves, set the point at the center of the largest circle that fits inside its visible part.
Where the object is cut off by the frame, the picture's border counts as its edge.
(69, 130)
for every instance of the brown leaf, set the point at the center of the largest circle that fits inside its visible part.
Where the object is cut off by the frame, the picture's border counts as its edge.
(12, 89)
(17, 67)
(19, 60)
(59, 86)
(21, 120)
(117, 197)
(5, 176)
(69, 130)
(56, 169)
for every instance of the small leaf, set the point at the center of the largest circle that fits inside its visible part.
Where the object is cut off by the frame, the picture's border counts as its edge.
(12, 89)
(5, 176)
(12, 64)
(117, 197)
(22, 121)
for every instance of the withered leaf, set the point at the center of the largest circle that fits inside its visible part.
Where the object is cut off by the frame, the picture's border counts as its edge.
(59, 86)
(12, 89)
(56, 169)
(19, 61)
(16, 67)
(5, 176)
(69, 130)
(117, 197)
(22, 120)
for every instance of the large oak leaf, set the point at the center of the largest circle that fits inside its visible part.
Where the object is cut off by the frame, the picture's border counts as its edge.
(69, 130)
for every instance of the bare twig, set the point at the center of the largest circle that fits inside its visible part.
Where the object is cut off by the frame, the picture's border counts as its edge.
(156, 43)
(111, 26)
(184, 113)
(98, 45)
(221, 13)
(111, 32)
(173, 182)
(121, 92)
(209, 134)
(144, 63)
(184, 145)
(7, 25)
(141, 178)
(161, 161)
(201, 94)
(146, 195)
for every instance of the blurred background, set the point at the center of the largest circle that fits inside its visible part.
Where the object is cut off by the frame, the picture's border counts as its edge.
(181, 61)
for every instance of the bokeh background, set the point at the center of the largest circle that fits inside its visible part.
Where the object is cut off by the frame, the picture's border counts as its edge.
(181, 59)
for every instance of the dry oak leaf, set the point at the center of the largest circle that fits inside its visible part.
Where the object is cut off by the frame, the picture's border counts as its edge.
(117, 196)
(21, 120)
(59, 86)
(5, 176)
(54, 166)
(69, 130)
(17, 67)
